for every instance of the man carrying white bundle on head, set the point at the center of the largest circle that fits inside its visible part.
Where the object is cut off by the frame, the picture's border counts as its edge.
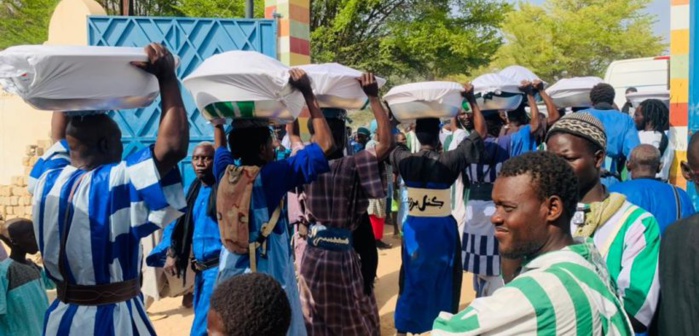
(255, 189)
(91, 209)
(431, 273)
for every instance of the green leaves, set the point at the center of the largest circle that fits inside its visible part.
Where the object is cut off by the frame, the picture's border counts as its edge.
(577, 37)
(24, 21)
(407, 39)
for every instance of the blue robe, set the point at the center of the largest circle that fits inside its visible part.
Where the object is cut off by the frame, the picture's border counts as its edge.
(430, 280)
(622, 138)
(206, 245)
(658, 198)
(271, 185)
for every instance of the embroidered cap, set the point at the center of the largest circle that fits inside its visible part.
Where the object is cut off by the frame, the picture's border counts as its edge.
(581, 124)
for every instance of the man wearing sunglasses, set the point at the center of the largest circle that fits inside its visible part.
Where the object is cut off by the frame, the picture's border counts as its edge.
(678, 263)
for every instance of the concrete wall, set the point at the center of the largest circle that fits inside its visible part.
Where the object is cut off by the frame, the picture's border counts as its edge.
(20, 126)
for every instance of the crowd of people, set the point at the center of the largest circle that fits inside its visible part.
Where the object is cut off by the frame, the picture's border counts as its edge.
(559, 218)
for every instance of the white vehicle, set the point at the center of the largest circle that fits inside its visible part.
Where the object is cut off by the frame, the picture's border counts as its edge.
(650, 74)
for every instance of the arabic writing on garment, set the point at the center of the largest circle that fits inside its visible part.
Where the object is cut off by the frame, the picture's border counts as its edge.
(331, 240)
(424, 203)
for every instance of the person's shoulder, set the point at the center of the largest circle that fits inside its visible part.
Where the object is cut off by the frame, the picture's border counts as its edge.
(683, 226)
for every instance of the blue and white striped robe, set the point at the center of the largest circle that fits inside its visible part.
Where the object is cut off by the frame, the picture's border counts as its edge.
(114, 206)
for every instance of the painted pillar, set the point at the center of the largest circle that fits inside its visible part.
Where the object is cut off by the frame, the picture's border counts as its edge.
(680, 67)
(294, 44)
(294, 29)
(690, 36)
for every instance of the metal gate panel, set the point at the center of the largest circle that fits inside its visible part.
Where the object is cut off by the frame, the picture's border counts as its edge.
(192, 40)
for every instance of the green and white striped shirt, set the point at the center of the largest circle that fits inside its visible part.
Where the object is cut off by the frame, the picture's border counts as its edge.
(630, 243)
(566, 292)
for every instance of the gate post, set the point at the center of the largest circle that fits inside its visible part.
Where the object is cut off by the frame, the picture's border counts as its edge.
(294, 38)
(684, 116)
(294, 47)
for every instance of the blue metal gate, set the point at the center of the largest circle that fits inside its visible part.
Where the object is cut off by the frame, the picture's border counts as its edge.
(193, 40)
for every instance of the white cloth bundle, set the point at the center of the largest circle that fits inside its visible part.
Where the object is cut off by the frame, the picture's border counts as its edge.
(336, 85)
(518, 74)
(425, 100)
(573, 92)
(638, 97)
(495, 92)
(244, 84)
(77, 78)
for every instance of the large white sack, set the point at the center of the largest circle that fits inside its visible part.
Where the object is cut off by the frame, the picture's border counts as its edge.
(425, 100)
(244, 84)
(336, 85)
(495, 92)
(77, 78)
(518, 74)
(639, 97)
(573, 92)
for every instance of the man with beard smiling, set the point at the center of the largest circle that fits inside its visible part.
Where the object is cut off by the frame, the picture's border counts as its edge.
(563, 287)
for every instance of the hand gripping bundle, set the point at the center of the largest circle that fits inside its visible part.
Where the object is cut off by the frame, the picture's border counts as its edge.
(244, 85)
(77, 78)
(425, 100)
(337, 86)
(496, 92)
(573, 92)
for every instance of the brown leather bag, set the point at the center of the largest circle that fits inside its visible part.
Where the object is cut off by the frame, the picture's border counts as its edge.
(233, 207)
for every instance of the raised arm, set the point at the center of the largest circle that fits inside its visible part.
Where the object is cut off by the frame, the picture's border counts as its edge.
(173, 132)
(528, 89)
(219, 135)
(478, 121)
(59, 122)
(551, 107)
(294, 133)
(383, 130)
(323, 137)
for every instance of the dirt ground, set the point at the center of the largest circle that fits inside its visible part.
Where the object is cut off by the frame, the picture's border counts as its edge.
(170, 318)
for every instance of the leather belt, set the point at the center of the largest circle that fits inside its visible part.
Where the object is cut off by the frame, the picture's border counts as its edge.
(200, 266)
(96, 295)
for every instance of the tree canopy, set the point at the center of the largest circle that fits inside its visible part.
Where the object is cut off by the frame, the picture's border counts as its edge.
(577, 37)
(24, 22)
(411, 39)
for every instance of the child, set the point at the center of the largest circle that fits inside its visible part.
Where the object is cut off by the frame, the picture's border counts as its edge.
(247, 305)
(23, 300)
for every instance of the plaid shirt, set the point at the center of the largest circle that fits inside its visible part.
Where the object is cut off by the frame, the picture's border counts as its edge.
(339, 197)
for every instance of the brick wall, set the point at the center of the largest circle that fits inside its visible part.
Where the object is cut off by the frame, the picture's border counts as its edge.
(15, 201)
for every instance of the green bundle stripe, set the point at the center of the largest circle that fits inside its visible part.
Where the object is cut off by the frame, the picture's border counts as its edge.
(241, 109)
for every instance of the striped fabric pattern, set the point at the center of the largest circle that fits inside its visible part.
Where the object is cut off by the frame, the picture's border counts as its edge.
(566, 292)
(240, 109)
(113, 207)
(633, 259)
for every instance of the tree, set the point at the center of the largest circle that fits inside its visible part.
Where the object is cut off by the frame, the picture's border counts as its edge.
(219, 8)
(577, 37)
(407, 39)
(24, 21)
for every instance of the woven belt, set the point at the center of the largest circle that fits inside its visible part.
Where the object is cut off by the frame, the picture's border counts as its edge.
(328, 238)
(481, 192)
(201, 266)
(429, 202)
(96, 295)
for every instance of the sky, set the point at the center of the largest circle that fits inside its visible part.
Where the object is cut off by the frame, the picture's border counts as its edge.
(661, 8)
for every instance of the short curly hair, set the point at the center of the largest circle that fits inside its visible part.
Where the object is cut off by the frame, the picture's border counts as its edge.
(602, 93)
(252, 304)
(551, 176)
